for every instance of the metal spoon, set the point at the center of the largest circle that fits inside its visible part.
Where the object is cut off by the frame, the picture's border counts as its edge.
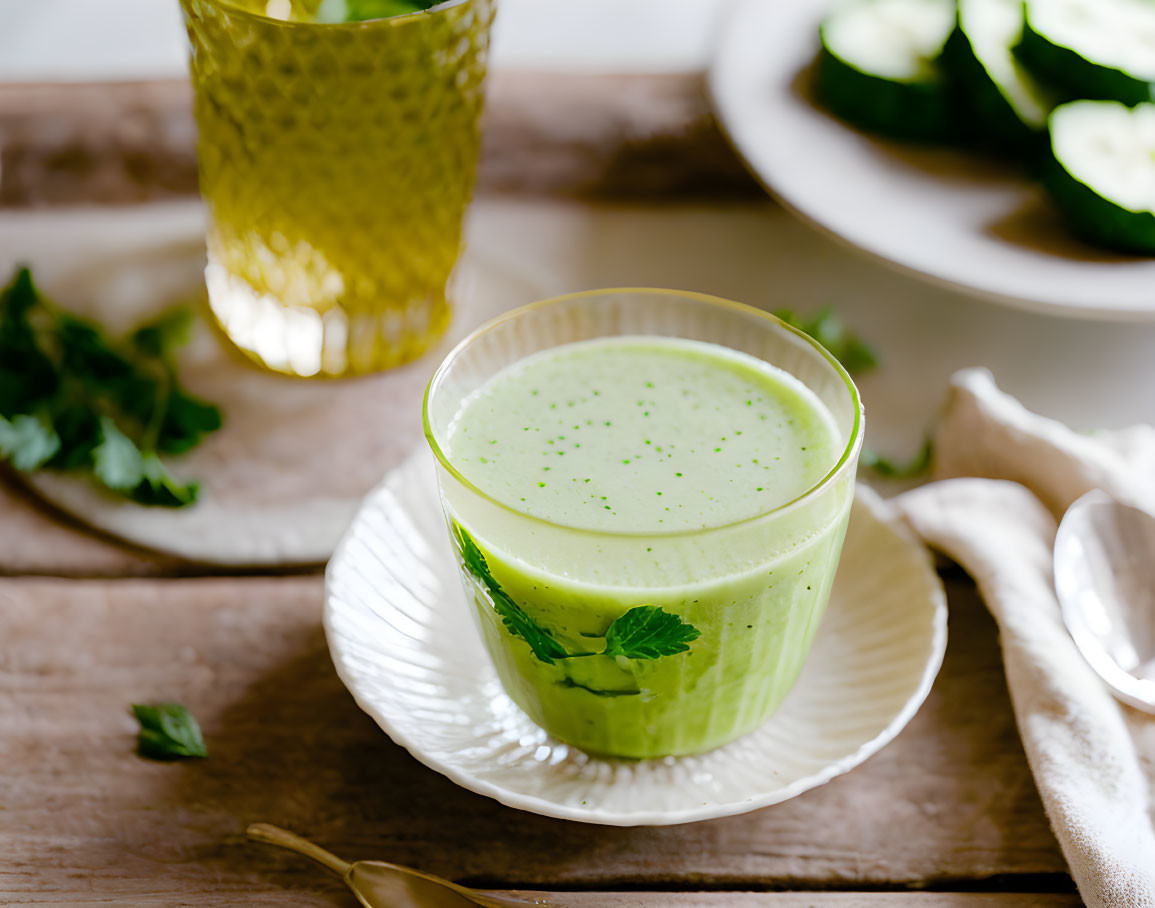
(1105, 580)
(380, 885)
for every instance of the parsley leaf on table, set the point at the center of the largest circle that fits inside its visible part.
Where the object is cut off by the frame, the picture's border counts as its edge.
(71, 398)
(647, 632)
(168, 732)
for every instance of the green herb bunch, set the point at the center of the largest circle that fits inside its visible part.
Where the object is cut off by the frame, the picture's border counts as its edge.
(644, 632)
(71, 398)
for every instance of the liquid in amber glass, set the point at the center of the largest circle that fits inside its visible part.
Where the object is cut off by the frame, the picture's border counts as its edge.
(337, 161)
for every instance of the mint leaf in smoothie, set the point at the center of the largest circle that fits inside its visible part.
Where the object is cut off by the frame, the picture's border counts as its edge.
(168, 732)
(518, 623)
(647, 632)
(888, 469)
(513, 616)
(829, 330)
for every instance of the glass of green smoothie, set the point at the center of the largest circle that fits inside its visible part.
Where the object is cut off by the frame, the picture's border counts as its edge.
(647, 493)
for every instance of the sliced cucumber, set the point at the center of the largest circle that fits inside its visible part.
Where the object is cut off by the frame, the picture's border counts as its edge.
(1103, 172)
(878, 67)
(1092, 48)
(1009, 107)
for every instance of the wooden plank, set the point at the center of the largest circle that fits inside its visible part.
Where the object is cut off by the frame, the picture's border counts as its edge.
(36, 540)
(950, 803)
(660, 899)
(592, 136)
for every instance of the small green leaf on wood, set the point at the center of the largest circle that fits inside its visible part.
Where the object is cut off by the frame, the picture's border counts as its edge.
(168, 731)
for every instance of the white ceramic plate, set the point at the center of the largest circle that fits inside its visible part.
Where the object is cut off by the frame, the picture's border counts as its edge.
(404, 644)
(285, 475)
(947, 216)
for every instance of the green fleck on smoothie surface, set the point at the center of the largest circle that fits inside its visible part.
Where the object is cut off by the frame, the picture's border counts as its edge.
(665, 449)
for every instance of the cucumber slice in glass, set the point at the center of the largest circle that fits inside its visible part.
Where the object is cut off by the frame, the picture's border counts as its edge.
(1103, 172)
(1092, 48)
(1008, 106)
(878, 67)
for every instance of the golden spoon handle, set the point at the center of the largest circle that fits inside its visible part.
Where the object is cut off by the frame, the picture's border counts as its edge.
(282, 838)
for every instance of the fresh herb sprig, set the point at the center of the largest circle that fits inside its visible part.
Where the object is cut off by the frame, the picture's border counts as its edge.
(71, 398)
(513, 616)
(168, 731)
(647, 632)
(644, 632)
(856, 357)
(830, 331)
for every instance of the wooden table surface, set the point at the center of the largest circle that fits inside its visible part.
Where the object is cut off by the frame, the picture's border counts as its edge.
(947, 815)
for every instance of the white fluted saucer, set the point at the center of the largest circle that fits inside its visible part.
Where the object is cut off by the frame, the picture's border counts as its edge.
(405, 645)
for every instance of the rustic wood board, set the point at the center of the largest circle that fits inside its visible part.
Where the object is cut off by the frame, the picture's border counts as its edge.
(643, 136)
(950, 803)
(36, 540)
(651, 900)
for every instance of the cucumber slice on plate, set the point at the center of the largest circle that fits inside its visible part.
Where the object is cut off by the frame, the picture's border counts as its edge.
(1092, 48)
(878, 67)
(1103, 173)
(1008, 106)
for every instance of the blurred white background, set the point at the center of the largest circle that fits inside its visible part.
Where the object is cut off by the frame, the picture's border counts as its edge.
(64, 40)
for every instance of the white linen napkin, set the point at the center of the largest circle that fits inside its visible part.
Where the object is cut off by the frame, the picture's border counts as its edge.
(1005, 476)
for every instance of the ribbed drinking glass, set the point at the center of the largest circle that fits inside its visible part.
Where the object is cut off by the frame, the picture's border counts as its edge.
(755, 588)
(337, 160)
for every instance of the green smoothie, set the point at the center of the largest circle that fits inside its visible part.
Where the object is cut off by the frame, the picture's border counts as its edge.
(680, 615)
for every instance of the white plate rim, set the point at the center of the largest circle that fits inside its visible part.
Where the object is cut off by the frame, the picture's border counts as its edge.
(718, 85)
(880, 511)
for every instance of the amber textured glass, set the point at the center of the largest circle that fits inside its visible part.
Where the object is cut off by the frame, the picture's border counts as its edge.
(337, 161)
